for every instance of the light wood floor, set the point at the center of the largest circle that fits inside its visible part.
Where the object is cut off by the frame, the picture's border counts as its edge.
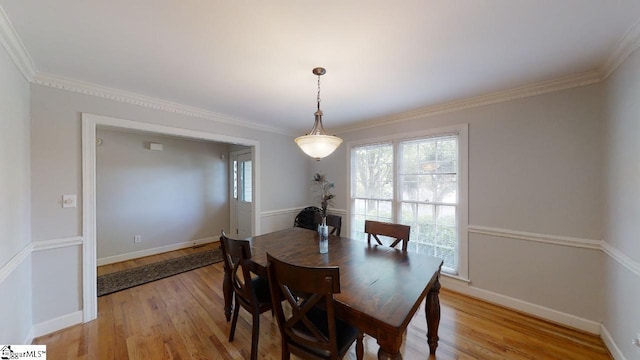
(181, 317)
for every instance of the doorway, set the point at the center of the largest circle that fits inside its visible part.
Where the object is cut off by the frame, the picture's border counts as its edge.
(90, 122)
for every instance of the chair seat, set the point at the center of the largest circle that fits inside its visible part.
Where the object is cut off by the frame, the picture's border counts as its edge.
(260, 286)
(345, 333)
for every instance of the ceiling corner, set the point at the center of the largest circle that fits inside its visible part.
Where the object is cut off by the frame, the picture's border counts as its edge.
(15, 48)
(629, 43)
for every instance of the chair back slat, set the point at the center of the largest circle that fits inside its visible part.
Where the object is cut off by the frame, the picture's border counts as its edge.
(251, 290)
(399, 232)
(310, 328)
(333, 221)
(237, 256)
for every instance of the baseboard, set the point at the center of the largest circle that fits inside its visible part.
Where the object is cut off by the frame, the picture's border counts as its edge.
(56, 324)
(154, 251)
(539, 311)
(611, 345)
(28, 340)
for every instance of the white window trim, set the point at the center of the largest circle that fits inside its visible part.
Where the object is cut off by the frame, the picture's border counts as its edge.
(463, 179)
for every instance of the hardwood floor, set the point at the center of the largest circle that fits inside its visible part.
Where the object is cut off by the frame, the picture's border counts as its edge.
(181, 317)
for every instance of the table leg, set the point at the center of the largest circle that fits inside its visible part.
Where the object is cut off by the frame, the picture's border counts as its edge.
(227, 291)
(432, 310)
(389, 347)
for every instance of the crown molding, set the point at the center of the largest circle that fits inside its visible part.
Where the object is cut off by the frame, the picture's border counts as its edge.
(629, 43)
(563, 83)
(86, 88)
(15, 48)
(9, 39)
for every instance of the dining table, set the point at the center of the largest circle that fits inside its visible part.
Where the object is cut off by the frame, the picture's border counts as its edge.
(381, 287)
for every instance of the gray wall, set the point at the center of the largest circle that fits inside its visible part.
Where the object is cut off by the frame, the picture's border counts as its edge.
(15, 204)
(534, 166)
(169, 197)
(622, 206)
(56, 169)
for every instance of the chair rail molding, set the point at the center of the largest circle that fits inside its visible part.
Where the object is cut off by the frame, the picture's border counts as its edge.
(619, 256)
(56, 243)
(629, 263)
(280, 212)
(10, 266)
(537, 237)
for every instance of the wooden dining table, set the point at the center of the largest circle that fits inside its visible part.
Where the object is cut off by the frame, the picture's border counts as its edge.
(381, 287)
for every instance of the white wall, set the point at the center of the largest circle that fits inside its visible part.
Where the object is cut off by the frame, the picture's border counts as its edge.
(56, 170)
(622, 207)
(15, 204)
(534, 166)
(170, 197)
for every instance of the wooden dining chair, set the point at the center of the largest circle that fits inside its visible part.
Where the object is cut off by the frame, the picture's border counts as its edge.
(398, 232)
(251, 292)
(310, 330)
(306, 218)
(334, 221)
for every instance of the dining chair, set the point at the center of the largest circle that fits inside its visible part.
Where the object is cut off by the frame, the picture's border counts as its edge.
(398, 232)
(306, 218)
(251, 291)
(334, 221)
(311, 329)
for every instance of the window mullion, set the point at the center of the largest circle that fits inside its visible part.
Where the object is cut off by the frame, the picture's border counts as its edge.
(395, 207)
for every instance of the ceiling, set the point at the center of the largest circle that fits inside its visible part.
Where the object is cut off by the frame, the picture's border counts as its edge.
(252, 60)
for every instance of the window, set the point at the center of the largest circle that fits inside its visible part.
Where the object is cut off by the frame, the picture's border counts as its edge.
(242, 179)
(245, 177)
(235, 179)
(417, 181)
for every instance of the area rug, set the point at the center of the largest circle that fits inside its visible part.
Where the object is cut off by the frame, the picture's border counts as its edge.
(125, 279)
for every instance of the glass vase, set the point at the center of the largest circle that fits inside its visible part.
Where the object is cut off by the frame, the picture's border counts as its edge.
(323, 232)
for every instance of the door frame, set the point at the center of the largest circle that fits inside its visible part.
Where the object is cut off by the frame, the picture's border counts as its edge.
(233, 206)
(90, 123)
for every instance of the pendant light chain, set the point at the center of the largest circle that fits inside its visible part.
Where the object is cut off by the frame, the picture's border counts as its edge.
(318, 92)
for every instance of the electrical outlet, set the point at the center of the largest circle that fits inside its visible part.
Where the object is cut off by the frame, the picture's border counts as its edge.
(137, 239)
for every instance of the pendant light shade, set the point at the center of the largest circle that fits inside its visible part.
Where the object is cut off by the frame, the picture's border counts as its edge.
(317, 143)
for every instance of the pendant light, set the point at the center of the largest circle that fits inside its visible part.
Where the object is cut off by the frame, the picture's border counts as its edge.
(317, 143)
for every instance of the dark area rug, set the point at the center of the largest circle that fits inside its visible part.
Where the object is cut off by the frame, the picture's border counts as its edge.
(121, 280)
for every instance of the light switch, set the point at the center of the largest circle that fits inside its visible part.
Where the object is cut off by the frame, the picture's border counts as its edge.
(68, 201)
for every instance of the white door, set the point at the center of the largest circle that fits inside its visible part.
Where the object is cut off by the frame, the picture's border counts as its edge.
(241, 194)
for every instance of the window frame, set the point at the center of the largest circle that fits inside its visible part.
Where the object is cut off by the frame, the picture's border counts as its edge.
(462, 209)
